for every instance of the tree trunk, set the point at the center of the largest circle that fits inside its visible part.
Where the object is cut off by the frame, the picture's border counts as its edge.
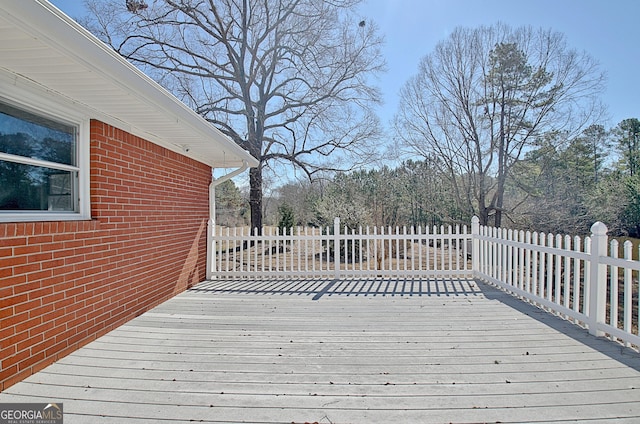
(255, 198)
(502, 162)
(483, 215)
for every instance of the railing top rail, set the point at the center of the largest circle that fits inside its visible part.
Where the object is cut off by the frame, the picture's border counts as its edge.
(554, 250)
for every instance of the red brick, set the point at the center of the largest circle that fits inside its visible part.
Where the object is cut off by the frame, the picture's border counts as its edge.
(26, 306)
(40, 257)
(40, 275)
(8, 375)
(27, 250)
(12, 261)
(41, 311)
(59, 326)
(28, 343)
(33, 358)
(40, 239)
(8, 299)
(9, 351)
(91, 276)
(14, 319)
(26, 269)
(27, 324)
(14, 241)
(16, 359)
(26, 287)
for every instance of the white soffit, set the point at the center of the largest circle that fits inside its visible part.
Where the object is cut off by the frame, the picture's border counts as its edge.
(41, 44)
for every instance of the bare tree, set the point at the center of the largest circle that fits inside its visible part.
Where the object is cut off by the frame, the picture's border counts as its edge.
(288, 80)
(484, 96)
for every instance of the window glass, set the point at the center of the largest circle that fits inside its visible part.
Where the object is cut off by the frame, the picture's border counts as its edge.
(25, 134)
(34, 188)
(41, 173)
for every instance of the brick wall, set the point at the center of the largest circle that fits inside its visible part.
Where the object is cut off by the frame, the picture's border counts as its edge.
(63, 284)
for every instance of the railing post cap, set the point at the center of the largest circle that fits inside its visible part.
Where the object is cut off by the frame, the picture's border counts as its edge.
(475, 220)
(599, 229)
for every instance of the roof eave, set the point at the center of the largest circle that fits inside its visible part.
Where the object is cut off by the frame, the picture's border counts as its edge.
(77, 43)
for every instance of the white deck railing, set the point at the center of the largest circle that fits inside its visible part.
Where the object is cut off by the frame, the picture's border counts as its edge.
(581, 280)
(339, 252)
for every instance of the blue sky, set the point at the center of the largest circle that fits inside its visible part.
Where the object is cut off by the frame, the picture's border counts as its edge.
(609, 30)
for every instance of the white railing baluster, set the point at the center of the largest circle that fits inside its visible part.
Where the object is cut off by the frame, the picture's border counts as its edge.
(586, 287)
(360, 249)
(375, 248)
(628, 290)
(295, 248)
(449, 247)
(330, 239)
(427, 248)
(264, 246)
(397, 243)
(550, 268)
(442, 243)
(411, 243)
(507, 234)
(577, 263)
(528, 259)
(543, 266)
(284, 245)
(534, 264)
(353, 249)
(558, 271)
(223, 253)
(239, 248)
(567, 273)
(277, 249)
(383, 250)
(404, 247)
(370, 259)
(458, 251)
(503, 268)
(613, 301)
(230, 251)
(521, 261)
(495, 253)
(313, 251)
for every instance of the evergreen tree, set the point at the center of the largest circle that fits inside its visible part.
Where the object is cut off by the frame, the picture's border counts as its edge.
(287, 219)
(232, 210)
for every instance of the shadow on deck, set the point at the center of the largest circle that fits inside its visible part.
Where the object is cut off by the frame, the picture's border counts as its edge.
(344, 287)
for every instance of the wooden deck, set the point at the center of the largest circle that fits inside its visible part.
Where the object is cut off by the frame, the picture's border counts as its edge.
(363, 351)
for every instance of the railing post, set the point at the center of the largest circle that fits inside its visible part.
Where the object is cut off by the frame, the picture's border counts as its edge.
(211, 250)
(475, 246)
(598, 276)
(336, 246)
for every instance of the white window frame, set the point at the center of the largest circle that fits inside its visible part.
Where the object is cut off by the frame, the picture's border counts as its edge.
(36, 100)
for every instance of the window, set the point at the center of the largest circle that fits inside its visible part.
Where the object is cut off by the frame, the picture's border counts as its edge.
(41, 164)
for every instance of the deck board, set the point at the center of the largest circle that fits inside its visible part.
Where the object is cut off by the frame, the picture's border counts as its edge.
(348, 351)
